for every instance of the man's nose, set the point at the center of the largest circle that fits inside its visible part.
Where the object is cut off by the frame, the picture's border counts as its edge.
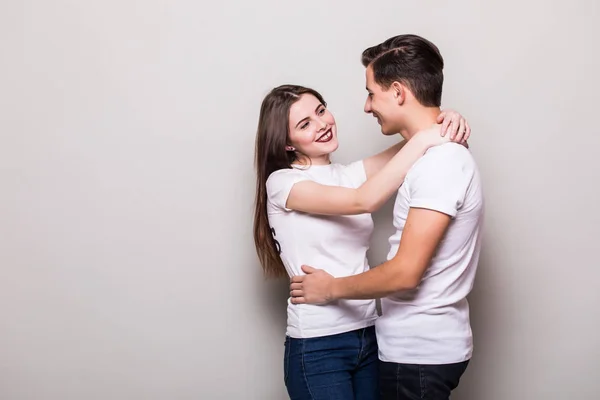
(367, 108)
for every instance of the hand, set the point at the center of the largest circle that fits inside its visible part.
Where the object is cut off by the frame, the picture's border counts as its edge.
(429, 137)
(312, 288)
(455, 124)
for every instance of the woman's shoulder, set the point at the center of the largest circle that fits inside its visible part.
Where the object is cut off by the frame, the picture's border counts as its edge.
(285, 176)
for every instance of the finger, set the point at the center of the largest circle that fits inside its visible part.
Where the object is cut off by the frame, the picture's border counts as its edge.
(295, 286)
(297, 279)
(298, 300)
(445, 125)
(308, 269)
(467, 131)
(296, 293)
(453, 128)
(461, 130)
(441, 117)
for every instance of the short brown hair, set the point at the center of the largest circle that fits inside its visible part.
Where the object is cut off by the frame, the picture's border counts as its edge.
(412, 61)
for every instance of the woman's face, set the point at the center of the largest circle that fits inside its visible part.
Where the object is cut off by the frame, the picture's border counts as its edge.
(312, 129)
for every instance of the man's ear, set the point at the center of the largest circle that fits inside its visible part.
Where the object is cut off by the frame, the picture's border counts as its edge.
(399, 92)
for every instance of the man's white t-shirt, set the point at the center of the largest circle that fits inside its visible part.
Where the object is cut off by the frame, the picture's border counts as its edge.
(430, 325)
(337, 244)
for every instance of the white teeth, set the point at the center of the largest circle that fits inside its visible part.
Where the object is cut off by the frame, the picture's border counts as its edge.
(325, 137)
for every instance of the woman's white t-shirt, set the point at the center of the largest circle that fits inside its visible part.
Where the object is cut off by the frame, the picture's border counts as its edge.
(336, 244)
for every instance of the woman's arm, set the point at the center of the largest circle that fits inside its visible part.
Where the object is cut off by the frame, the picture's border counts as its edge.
(376, 162)
(314, 198)
(453, 124)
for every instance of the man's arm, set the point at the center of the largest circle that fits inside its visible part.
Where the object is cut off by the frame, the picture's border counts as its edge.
(437, 191)
(423, 231)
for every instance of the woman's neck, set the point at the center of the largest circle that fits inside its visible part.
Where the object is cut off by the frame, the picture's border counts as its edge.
(322, 160)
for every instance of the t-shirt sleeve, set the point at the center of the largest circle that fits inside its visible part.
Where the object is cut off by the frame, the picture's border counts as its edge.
(279, 185)
(440, 182)
(357, 173)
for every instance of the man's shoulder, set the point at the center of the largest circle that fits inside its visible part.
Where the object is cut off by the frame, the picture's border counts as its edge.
(449, 150)
(447, 164)
(448, 155)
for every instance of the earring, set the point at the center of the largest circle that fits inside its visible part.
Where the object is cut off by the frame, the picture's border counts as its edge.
(290, 148)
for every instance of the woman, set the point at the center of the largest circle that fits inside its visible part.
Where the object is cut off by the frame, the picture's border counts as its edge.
(310, 211)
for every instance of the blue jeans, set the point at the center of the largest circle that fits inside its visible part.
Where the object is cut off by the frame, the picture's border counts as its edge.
(413, 381)
(335, 367)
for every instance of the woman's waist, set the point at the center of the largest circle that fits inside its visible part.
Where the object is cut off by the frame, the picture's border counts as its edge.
(305, 320)
(338, 313)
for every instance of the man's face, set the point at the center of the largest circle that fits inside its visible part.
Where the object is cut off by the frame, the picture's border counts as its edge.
(384, 105)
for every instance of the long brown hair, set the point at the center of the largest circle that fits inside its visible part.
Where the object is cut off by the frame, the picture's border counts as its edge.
(271, 155)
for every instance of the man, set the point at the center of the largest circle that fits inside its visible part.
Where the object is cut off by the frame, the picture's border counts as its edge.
(424, 333)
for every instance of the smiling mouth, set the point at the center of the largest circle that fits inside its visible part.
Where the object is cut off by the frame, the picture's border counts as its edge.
(326, 137)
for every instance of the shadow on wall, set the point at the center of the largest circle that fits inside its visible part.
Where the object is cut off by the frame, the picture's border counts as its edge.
(272, 299)
(489, 308)
(384, 228)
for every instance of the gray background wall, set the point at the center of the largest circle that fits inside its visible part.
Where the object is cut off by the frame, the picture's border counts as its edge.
(127, 269)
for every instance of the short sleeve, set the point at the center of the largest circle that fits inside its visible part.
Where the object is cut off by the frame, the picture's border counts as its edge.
(279, 185)
(440, 181)
(356, 171)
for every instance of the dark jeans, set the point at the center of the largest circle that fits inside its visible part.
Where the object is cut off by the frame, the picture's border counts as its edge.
(411, 381)
(336, 367)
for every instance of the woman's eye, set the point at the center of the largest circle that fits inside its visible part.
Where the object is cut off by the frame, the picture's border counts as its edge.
(322, 111)
(304, 125)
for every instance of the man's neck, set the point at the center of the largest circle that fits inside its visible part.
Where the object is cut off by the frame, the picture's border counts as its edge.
(420, 118)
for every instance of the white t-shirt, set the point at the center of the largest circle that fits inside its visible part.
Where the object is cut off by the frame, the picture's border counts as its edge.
(337, 244)
(430, 325)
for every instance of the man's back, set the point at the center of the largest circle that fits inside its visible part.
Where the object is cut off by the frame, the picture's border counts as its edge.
(430, 325)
